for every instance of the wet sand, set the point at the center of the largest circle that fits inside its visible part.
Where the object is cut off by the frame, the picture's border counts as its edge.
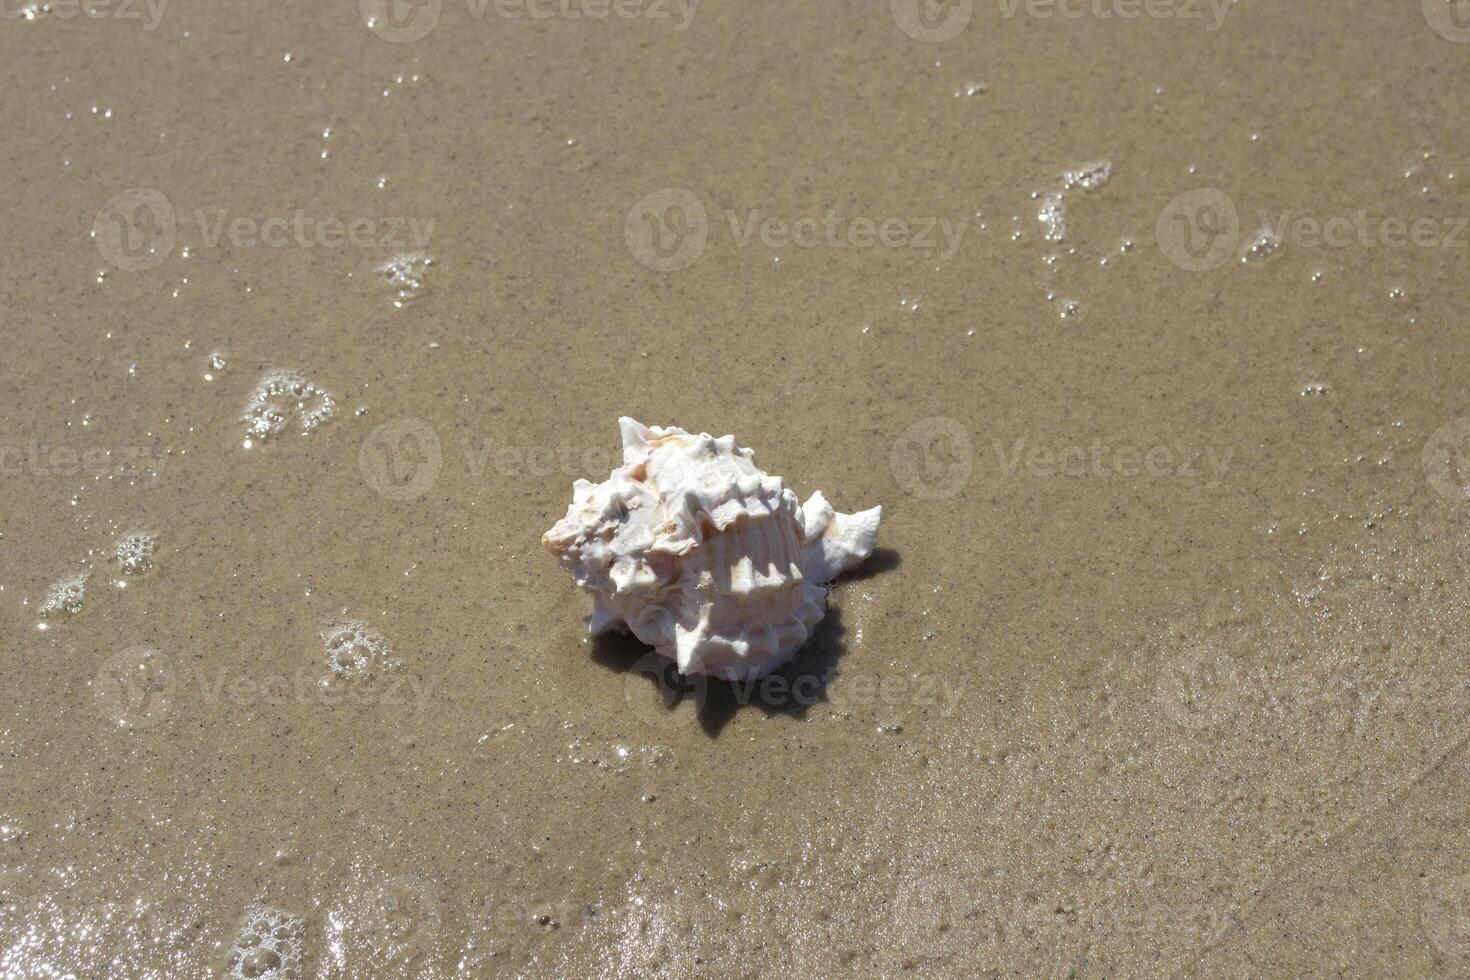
(1159, 669)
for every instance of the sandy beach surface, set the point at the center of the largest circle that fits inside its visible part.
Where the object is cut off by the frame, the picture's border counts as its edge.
(1145, 323)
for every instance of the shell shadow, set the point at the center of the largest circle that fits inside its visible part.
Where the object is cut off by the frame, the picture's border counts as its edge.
(793, 690)
(881, 560)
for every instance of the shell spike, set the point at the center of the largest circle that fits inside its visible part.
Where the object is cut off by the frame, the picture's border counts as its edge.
(836, 543)
(604, 619)
(688, 649)
(635, 439)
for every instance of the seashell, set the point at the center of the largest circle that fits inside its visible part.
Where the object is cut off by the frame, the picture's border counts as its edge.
(704, 556)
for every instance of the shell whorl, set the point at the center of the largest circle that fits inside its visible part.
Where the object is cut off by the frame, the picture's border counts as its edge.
(701, 554)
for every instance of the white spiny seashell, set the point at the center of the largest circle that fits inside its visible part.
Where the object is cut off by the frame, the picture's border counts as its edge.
(704, 556)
